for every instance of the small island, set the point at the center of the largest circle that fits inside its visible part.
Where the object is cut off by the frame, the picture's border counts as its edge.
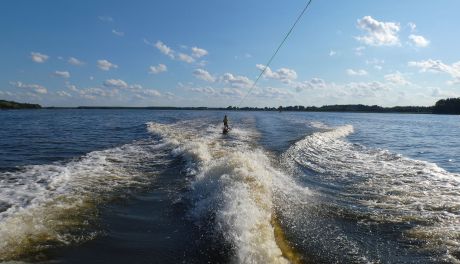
(15, 105)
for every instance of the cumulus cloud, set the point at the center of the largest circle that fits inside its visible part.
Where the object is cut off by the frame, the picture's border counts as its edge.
(412, 26)
(94, 92)
(106, 65)
(203, 90)
(365, 89)
(185, 58)
(284, 75)
(115, 83)
(314, 83)
(396, 78)
(118, 33)
(438, 66)
(378, 33)
(158, 69)
(419, 41)
(164, 49)
(75, 61)
(360, 72)
(204, 75)
(62, 74)
(273, 93)
(236, 80)
(222, 92)
(63, 94)
(38, 57)
(437, 92)
(39, 89)
(199, 52)
(151, 92)
(134, 89)
(6, 93)
(196, 52)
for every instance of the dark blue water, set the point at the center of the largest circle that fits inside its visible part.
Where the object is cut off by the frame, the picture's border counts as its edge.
(149, 186)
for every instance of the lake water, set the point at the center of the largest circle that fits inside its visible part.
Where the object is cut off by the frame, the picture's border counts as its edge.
(147, 186)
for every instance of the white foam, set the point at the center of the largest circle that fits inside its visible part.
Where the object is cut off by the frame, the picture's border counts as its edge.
(232, 185)
(391, 187)
(50, 203)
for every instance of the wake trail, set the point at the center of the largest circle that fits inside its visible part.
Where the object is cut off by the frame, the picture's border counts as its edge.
(231, 189)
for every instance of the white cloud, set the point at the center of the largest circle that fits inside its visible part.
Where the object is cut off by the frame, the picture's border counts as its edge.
(106, 65)
(378, 33)
(151, 92)
(203, 90)
(419, 41)
(375, 61)
(6, 93)
(115, 83)
(203, 75)
(199, 52)
(438, 66)
(75, 61)
(134, 89)
(231, 92)
(62, 74)
(105, 18)
(63, 94)
(158, 69)
(164, 49)
(285, 75)
(38, 57)
(92, 93)
(412, 26)
(35, 87)
(236, 80)
(223, 92)
(359, 51)
(360, 72)
(274, 93)
(365, 89)
(332, 53)
(118, 33)
(314, 83)
(396, 78)
(185, 58)
(438, 93)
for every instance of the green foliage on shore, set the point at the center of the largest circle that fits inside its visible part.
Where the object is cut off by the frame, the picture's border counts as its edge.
(444, 106)
(15, 105)
(447, 106)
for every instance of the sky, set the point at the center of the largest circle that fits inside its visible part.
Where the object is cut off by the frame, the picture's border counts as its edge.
(209, 53)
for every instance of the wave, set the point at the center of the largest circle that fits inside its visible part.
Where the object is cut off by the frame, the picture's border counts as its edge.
(378, 186)
(231, 188)
(55, 204)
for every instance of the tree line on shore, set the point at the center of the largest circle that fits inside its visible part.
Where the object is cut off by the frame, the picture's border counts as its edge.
(15, 105)
(443, 106)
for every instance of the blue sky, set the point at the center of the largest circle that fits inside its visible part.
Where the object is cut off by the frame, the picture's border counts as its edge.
(209, 53)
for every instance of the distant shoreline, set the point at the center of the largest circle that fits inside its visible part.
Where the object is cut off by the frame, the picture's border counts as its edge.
(444, 106)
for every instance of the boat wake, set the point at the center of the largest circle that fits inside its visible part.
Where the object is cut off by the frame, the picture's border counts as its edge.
(323, 200)
(231, 188)
(383, 192)
(42, 206)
